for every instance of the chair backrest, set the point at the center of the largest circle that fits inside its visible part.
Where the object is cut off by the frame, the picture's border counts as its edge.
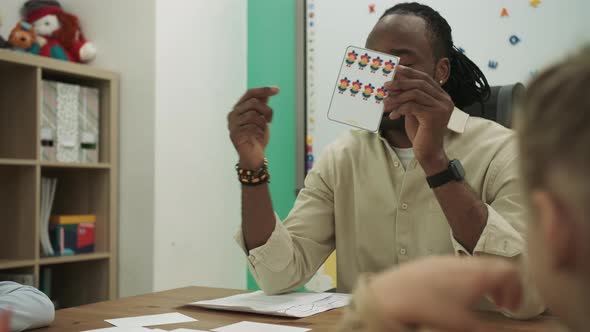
(500, 105)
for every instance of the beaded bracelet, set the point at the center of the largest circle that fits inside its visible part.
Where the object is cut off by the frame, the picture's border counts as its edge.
(253, 177)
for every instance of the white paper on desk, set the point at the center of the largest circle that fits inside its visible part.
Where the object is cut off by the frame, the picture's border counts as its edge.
(121, 329)
(258, 327)
(161, 319)
(186, 330)
(288, 305)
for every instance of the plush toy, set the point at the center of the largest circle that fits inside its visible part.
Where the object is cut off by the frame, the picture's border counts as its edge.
(58, 33)
(23, 38)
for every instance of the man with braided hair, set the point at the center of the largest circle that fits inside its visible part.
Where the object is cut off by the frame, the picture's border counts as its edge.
(434, 180)
(553, 126)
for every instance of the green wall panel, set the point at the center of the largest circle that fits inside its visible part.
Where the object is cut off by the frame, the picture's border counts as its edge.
(271, 61)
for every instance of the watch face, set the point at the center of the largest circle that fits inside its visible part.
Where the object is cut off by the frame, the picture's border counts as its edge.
(457, 169)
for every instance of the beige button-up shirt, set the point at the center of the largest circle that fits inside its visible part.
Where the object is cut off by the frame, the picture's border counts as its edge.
(359, 199)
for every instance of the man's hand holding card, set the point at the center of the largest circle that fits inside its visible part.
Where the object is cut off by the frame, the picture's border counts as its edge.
(366, 92)
(426, 107)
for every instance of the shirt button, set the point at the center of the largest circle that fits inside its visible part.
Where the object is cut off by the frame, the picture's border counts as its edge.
(404, 206)
(402, 251)
(396, 164)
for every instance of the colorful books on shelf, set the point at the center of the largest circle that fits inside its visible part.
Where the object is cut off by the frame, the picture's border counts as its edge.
(72, 234)
(48, 186)
(69, 123)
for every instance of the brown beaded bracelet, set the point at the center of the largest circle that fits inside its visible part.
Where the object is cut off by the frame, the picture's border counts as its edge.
(253, 177)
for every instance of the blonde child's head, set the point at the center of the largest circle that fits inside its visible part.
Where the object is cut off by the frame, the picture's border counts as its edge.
(553, 125)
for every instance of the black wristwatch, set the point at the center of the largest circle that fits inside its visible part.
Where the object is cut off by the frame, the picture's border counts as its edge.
(454, 172)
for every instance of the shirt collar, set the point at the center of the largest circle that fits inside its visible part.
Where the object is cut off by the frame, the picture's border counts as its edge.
(458, 121)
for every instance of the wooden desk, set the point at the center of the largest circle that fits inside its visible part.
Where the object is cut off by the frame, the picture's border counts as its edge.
(92, 316)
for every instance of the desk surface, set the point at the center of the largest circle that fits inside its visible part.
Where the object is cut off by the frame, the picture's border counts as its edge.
(92, 316)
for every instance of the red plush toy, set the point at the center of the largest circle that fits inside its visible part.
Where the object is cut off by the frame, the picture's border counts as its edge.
(58, 33)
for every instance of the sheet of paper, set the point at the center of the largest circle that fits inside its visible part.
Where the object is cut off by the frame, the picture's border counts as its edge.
(122, 329)
(289, 305)
(358, 96)
(150, 320)
(258, 327)
(138, 329)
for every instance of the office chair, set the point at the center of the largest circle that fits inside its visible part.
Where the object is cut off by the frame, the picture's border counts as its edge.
(499, 107)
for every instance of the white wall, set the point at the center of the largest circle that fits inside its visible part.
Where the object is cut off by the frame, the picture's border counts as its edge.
(201, 71)
(9, 10)
(124, 32)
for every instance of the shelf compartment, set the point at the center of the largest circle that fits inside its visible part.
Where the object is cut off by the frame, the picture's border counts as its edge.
(83, 191)
(105, 104)
(18, 233)
(76, 283)
(18, 111)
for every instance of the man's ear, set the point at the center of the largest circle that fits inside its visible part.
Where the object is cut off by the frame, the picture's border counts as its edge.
(557, 230)
(442, 71)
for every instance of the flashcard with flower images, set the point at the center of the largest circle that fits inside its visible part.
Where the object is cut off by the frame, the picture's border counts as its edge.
(357, 99)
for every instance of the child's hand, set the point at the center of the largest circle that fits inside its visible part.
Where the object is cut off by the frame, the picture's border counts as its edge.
(5, 316)
(439, 292)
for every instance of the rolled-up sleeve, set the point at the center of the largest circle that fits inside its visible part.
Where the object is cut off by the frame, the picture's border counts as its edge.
(498, 237)
(275, 254)
(503, 234)
(298, 246)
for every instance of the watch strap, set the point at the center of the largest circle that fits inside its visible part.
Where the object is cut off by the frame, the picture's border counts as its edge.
(440, 179)
(454, 172)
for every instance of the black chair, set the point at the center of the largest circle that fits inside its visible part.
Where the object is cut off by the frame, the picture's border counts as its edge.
(500, 105)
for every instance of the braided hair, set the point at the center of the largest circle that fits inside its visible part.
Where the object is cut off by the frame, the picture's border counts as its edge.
(466, 84)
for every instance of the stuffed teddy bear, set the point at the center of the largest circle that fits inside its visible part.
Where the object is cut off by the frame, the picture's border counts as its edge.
(58, 33)
(23, 38)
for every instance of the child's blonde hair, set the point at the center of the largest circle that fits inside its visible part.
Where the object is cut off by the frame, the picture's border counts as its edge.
(553, 124)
